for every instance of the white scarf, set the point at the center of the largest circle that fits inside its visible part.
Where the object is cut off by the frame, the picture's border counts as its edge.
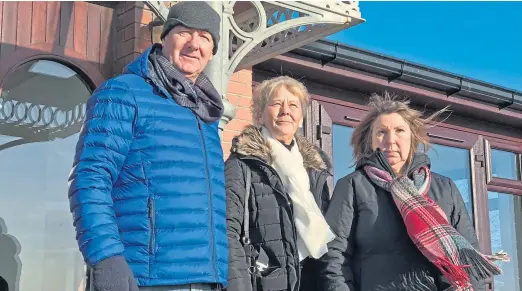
(313, 232)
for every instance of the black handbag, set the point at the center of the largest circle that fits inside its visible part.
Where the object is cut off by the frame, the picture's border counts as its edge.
(250, 252)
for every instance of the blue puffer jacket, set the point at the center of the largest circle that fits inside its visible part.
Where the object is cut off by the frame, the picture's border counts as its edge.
(148, 183)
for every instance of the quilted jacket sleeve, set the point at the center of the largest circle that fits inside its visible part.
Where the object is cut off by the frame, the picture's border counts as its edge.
(101, 150)
(238, 274)
(335, 273)
(462, 223)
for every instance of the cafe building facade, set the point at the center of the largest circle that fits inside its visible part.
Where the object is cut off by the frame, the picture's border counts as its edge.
(54, 54)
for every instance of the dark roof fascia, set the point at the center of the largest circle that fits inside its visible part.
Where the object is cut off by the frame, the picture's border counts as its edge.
(409, 72)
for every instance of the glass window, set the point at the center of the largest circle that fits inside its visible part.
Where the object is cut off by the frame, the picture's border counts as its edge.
(42, 108)
(505, 214)
(342, 151)
(504, 164)
(455, 164)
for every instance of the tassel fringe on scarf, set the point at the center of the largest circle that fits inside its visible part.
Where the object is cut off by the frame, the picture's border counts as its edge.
(429, 229)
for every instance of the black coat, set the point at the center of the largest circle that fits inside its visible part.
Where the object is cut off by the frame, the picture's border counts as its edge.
(372, 251)
(272, 227)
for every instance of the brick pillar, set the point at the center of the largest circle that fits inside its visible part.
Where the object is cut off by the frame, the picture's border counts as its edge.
(133, 36)
(240, 94)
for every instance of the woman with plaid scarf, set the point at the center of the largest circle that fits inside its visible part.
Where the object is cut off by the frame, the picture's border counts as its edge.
(399, 226)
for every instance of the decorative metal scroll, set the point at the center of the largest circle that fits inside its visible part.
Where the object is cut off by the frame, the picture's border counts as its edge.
(255, 31)
(272, 28)
(38, 122)
(269, 28)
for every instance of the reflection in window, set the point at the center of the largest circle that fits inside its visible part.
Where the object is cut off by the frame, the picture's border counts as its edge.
(455, 164)
(342, 151)
(504, 164)
(42, 108)
(505, 214)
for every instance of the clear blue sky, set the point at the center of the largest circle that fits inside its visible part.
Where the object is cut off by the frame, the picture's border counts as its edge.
(480, 40)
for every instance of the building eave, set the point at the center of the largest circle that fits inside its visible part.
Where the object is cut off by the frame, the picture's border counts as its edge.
(360, 70)
(416, 74)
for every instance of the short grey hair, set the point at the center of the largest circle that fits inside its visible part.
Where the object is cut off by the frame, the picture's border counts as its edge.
(264, 91)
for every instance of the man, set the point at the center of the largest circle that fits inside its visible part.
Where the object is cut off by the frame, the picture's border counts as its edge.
(147, 185)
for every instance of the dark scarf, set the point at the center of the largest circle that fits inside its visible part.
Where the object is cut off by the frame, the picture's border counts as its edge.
(202, 97)
(428, 227)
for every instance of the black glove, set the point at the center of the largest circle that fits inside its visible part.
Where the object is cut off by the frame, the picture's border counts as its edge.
(113, 274)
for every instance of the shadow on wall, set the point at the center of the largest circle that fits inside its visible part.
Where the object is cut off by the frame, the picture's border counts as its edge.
(10, 264)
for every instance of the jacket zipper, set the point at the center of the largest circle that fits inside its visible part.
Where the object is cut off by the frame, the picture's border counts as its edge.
(296, 253)
(152, 227)
(209, 193)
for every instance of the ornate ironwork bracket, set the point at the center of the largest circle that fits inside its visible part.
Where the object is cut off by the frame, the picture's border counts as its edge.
(159, 9)
(254, 31)
(271, 28)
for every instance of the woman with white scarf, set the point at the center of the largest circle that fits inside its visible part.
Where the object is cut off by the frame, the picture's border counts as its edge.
(276, 195)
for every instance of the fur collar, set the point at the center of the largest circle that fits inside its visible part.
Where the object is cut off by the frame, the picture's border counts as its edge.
(252, 143)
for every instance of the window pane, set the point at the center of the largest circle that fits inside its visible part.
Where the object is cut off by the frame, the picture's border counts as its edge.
(455, 164)
(38, 249)
(505, 224)
(342, 151)
(503, 164)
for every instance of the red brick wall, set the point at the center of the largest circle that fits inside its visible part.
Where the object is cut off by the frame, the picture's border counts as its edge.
(133, 36)
(239, 94)
(132, 33)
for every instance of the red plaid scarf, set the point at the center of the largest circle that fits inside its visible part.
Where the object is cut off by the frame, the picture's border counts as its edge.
(428, 228)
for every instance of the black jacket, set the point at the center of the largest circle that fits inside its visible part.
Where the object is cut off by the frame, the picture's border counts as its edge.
(372, 251)
(272, 228)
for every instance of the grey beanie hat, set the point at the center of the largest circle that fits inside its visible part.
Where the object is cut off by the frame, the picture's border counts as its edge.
(196, 15)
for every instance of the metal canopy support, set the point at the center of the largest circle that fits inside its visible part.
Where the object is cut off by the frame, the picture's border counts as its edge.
(158, 7)
(255, 31)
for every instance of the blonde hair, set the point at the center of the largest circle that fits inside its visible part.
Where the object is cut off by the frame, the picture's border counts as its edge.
(264, 91)
(387, 103)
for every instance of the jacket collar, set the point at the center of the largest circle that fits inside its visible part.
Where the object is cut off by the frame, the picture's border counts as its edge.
(377, 159)
(251, 143)
(142, 67)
